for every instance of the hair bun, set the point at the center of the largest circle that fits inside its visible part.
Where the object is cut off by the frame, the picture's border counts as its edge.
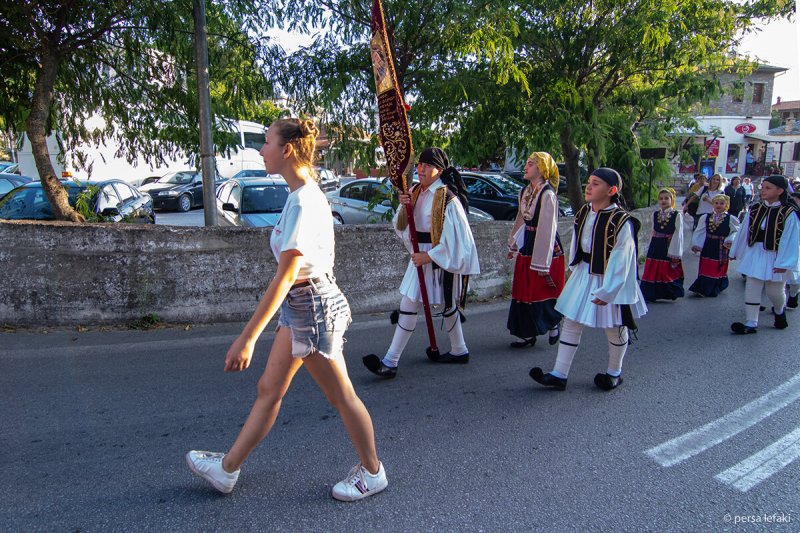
(308, 128)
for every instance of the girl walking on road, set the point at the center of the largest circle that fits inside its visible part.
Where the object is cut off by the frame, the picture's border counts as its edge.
(539, 268)
(663, 270)
(314, 316)
(767, 249)
(713, 238)
(602, 291)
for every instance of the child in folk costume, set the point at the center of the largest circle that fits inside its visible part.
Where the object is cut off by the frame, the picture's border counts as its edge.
(713, 237)
(602, 291)
(539, 268)
(767, 249)
(663, 270)
(448, 257)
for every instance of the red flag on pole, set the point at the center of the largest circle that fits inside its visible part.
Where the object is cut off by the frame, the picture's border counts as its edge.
(395, 135)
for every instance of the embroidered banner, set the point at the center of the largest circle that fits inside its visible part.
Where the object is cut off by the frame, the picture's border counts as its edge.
(394, 131)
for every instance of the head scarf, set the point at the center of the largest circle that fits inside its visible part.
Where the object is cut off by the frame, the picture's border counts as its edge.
(610, 176)
(781, 182)
(723, 197)
(437, 158)
(547, 168)
(671, 192)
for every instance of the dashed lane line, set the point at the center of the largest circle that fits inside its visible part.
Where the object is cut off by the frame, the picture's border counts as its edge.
(762, 465)
(694, 442)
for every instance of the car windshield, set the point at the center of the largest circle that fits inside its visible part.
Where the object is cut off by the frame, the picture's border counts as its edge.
(178, 178)
(264, 198)
(505, 184)
(30, 203)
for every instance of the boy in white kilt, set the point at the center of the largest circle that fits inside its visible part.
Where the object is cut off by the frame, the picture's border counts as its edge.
(447, 255)
(602, 291)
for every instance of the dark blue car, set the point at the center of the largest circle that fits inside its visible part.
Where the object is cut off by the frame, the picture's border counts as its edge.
(113, 199)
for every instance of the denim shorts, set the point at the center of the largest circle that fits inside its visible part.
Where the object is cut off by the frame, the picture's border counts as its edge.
(318, 316)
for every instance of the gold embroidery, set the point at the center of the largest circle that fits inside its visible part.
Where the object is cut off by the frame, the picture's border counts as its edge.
(437, 214)
(402, 219)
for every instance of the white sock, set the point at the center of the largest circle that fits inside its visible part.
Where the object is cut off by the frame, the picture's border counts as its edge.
(567, 346)
(794, 290)
(452, 321)
(752, 300)
(554, 331)
(402, 333)
(617, 347)
(776, 292)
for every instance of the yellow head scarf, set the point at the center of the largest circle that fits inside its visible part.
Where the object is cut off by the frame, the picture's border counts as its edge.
(547, 167)
(723, 197)
(671, 192)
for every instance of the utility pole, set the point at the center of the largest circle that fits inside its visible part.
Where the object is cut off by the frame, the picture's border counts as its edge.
(207, 161)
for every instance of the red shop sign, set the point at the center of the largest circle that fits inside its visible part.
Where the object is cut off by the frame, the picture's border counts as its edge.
(712, 148)
(745, 128)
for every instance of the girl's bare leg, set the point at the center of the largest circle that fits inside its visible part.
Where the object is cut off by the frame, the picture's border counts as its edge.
(281, 368)
(332, 378)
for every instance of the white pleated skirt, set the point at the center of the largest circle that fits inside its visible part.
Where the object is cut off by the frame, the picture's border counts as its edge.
(409, 287)
(576, 304)
(756, 262)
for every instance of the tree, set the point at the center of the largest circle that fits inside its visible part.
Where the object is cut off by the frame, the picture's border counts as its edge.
(130, 62)
(436, 46)
(570, 76)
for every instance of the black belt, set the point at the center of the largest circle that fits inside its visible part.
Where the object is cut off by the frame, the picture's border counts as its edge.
(583, 256)
(424, 238)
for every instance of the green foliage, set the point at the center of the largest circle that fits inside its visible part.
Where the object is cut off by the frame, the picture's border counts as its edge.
(132, 64)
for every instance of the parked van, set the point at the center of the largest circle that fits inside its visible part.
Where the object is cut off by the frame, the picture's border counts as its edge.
(105, 165)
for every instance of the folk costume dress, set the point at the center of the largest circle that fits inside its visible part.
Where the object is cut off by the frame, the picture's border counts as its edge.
(662, 278)
(769, 238)
(539, 268)
(711, 233)
(443, 232)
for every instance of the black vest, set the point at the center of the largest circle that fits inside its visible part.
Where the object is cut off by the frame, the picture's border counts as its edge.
(776, 219)
(669, 228)
(604, 236)
(724, 228)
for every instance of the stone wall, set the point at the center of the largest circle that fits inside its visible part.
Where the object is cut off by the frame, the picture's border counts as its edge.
(58, 273)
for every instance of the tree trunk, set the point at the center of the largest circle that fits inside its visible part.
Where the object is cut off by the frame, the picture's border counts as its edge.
(571, 155)
(37, 131)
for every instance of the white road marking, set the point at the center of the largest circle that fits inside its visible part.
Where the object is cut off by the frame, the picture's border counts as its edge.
(694, 442)
(760, 466)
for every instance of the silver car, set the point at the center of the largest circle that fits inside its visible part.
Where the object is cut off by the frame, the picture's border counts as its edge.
(351, 203)
(251, 202)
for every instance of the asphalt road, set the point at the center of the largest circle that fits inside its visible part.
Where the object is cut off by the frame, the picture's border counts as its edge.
(703, 434)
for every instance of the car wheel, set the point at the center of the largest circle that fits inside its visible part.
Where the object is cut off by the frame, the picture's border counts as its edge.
(338, 217)
(184, 203)
(511, 215)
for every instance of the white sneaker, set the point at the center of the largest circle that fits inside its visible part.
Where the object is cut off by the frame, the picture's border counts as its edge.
(359, 484)
(208, 465)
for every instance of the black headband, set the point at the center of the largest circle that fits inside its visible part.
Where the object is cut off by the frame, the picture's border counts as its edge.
(435, 157)
(778, 181)
(610, 176)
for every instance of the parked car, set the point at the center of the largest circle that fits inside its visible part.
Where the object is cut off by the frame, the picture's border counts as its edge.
(9, 167)
(181, 190)
(498, 194)
(350, 204)
(11, 181)
(114, 199)
(251, 202)
(328, 181)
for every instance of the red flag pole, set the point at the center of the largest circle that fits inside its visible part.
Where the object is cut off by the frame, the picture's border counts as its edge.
(395, 136)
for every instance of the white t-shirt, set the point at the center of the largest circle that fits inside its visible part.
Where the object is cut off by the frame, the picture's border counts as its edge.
(306, 225)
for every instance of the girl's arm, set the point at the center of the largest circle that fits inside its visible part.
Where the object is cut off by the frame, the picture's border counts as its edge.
(241, 351)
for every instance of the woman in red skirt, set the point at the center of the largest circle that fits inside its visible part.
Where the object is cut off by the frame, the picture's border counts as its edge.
(539, 268)
(713, 238)
(663, 271)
